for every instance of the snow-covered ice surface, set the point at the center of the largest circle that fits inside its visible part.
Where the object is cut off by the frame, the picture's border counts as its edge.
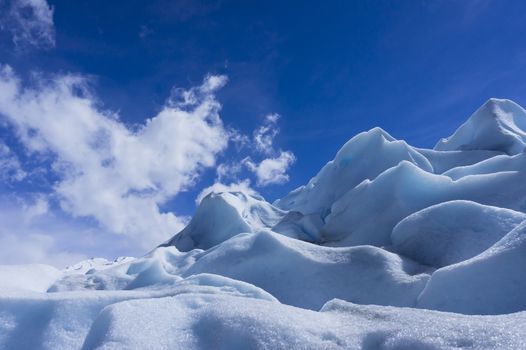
(353, 164)
(492, 282)
(499, 125)
(451, 232)
(388, 247)
(225, 322)
(221, 216)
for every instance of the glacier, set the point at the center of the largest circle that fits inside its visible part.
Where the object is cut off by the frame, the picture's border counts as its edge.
(388, 246)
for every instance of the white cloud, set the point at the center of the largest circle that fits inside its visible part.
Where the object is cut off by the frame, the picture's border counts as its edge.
(226, 171)
(38, 208)
(242, 186)
(31, 231)
(30, 23)
(10, 168)
(264, 135)
(35, 248)
(271, 170)
(25, 227)
(239, 139)
(109, 171)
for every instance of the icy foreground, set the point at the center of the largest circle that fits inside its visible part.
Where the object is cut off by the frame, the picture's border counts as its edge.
(388, 247)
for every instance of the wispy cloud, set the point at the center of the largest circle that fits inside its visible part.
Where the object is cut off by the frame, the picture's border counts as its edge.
(272, 169)
(10, 167)
(30, 23)
(264, 135)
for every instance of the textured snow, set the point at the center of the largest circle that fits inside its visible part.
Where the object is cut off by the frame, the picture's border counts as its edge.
(387, 247)
(493, 282)
(226, 322)
(62, 320)
(366, 275)
(293, 271)
(451, 232)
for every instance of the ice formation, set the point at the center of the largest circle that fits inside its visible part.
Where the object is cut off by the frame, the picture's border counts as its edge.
(387, 247)
(451, 232)
(499, 125)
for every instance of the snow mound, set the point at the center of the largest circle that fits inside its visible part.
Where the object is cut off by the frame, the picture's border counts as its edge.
(492, 282)
(199, 315)
(226, 322)
(63, 320)
(33, 277)
(451, 232)
(223, 215)
(295, 272)
(306, 275)
(160, 268)
(499, 125)
(368, 213)
(365, 156)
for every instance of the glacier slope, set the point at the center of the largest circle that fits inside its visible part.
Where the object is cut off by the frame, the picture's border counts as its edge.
(383, 223)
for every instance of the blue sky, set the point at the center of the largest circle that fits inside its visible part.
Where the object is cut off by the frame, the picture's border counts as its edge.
(329, 70)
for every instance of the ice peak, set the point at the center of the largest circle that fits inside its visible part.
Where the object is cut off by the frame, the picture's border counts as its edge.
(498, 125)
(364, 156)
(222, 215)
